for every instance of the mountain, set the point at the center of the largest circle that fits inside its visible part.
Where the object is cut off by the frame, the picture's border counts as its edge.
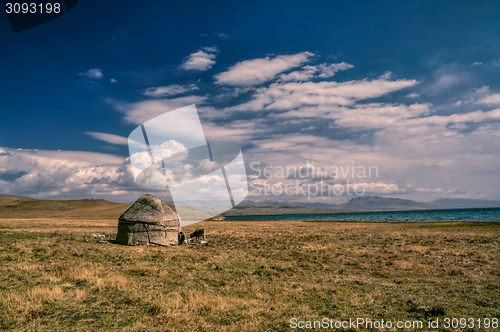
(245, 210)
(248, 203)
(312, 205)
(357, 204)
(377, 203)
(464, 203)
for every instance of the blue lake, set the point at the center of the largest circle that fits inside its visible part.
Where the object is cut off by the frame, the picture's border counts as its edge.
(475, 214)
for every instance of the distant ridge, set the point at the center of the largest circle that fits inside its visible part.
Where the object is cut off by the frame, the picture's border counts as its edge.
(464, 202)
(287, 204)
(357, 204)
(12, 206)
(378, 203)
(20, 207)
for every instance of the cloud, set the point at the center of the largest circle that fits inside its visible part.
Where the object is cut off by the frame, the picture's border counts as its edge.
(421, 158)
(257, 71)
(222, 35)
(413, 95)
(306, 74)
(93, 74)
(211, 49)
(170, 90)
(66, 174)
(412, 119)
(490, 100)
(239, 131)
(112, 80)
(140, 112)
(330, 70)
(142, 160)
(446, 81)
(201, 60)
(420, 153)
(418, 148)
(286, 96)
(109, 138)
(372, 116)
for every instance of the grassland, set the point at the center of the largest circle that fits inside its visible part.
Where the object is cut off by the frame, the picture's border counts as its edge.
(16, 207)
(254, 276)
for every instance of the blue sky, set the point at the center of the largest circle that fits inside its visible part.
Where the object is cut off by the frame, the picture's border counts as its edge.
(412, 88)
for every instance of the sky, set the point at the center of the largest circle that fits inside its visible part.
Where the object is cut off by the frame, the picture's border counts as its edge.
(409, 89)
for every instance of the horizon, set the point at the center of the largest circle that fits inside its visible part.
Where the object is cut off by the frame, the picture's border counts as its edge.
(246, 201)
(411, 89)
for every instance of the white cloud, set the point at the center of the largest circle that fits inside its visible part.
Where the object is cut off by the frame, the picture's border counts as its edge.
(413, 95)
(112, 80)
(402, 118)
(387, 75)
(222, 35)
(170, 90)
(490, 100)
(109, 138)
(485, 89)
(201, 60)
(140, 112)
(211, 49)
(421, 154)
(286, 96)
(420, 159)
(93, 74)
(257, 71)
(235, 131)
(74, 156)
(66, 174)
(306, 74)
(142, 160)
(328, 70)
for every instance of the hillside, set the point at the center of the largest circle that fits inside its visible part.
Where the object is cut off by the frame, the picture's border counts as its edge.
(19, 207)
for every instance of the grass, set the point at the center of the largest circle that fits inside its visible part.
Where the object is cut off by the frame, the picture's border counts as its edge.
(16, 207)
(254, 276)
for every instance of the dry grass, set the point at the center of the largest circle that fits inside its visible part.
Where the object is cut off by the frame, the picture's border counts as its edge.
(254, 276)
(18, 207)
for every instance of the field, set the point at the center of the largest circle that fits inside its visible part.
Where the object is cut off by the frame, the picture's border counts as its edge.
(253, 276)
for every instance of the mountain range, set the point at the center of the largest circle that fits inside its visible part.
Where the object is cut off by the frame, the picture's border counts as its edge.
(357, 204)
(12, 206)
(465, 203)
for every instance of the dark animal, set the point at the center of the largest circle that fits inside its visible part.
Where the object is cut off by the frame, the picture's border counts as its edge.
(198, 234)
(182, 238)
